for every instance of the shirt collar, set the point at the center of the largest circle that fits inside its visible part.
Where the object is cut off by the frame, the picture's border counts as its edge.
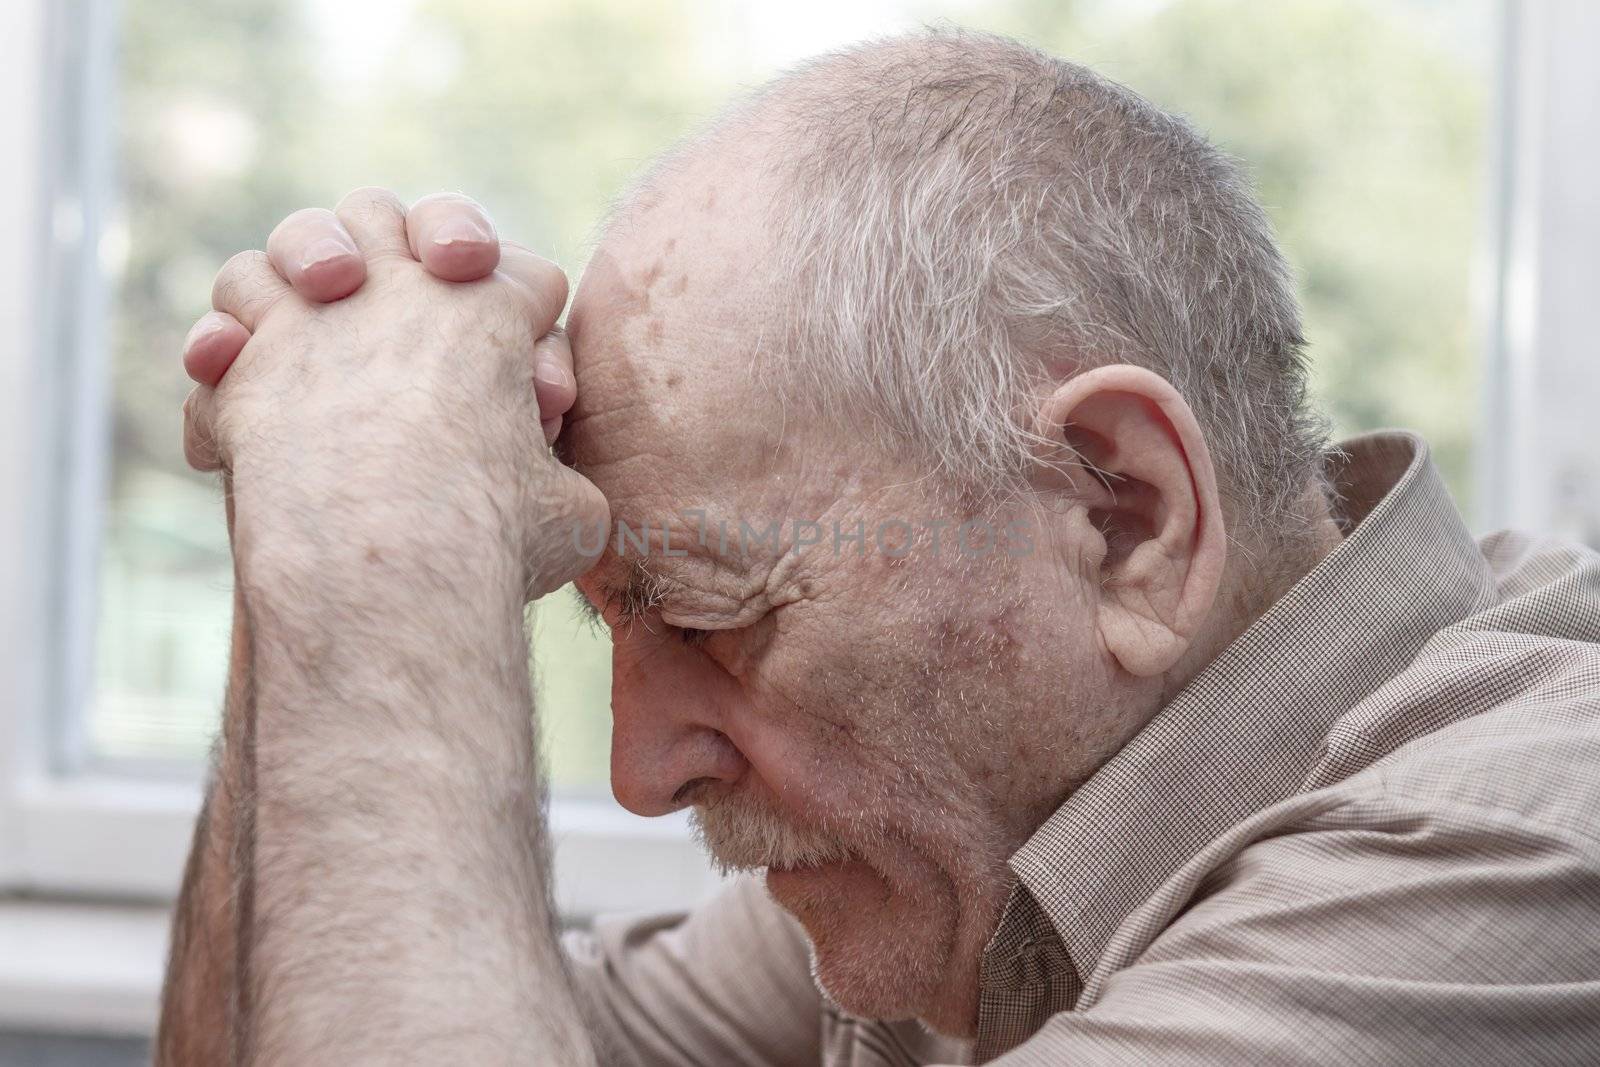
(1243, 733)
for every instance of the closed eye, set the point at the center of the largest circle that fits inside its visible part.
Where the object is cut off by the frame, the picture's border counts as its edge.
(629, 611)
(692, 637)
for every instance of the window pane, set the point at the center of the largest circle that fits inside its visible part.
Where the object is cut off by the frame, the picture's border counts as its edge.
(1364, 124)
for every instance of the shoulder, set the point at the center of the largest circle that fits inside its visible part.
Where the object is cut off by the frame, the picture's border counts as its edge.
(1452, 888)
(1424, 916)
(1471, 856)
(1498, 710)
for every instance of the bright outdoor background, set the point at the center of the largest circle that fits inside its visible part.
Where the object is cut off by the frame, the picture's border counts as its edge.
(1364, 123)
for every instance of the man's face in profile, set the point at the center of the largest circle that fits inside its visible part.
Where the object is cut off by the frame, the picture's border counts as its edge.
(854, 717)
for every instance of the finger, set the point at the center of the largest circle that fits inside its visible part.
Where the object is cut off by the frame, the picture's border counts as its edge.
(453, 237)
(313, 252)
(376, 219)
(214, 342)
(199, 430)
(247, 287)
(544, 282)
(551, 428)
(553, 380)
(582, 510)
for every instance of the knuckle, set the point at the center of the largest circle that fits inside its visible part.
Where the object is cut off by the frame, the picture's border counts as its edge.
(199, 442)
(243, 262)
(540, 276)
(236, 275)
(370, 199)
(523, 252)
(551, 277)
(448, 199)
(197, 406)
(304, 217)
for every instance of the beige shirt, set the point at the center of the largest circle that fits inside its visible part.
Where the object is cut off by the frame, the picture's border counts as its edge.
(1367, 833)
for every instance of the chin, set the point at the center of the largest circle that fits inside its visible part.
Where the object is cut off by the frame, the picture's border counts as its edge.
(882, 949)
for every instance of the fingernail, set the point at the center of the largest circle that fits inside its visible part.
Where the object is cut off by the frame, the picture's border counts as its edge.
(209, 324)
(323, 250)
(461, 229)
(553, 374)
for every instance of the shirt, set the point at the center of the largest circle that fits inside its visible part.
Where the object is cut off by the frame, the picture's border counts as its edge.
(1368, 832)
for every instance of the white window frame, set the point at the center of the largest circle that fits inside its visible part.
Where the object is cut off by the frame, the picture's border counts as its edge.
(1538, 461)
(74, 834)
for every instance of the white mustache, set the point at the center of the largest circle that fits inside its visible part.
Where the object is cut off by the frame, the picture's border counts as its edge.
(741, 838)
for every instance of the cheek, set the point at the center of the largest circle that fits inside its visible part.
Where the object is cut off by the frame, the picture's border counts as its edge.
(831, 721)
(932, 692)
(807, 765)
(799, 723)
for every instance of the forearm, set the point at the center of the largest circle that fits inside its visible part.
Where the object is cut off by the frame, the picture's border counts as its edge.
(381, 868)
(400, 901)
(199, 1004)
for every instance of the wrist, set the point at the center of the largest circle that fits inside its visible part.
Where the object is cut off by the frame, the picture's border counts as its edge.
(329, 536)
(383, 617)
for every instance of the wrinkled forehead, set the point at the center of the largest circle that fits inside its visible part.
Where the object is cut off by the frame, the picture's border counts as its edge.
(667, 328)
(673, 421)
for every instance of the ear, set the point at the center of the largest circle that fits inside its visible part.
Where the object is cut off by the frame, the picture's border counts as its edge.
(1151, 493)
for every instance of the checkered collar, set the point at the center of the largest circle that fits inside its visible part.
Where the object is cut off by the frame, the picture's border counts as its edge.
(1242, 734)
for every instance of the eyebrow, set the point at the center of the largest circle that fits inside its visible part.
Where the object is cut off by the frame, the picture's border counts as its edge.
(643, 590)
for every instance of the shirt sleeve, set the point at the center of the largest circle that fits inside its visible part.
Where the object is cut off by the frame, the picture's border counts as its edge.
(1385, 931)
(729, 982)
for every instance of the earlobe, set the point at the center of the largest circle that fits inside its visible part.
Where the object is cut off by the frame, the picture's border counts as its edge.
(1153, 497)
(1140, 621)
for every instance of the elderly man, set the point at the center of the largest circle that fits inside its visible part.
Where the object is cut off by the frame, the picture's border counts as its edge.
(939, 456)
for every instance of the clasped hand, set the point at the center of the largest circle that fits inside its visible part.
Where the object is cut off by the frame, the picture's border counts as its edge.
(384, 380)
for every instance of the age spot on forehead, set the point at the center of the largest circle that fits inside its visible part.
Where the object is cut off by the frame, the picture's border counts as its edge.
(635, 300)
(654, 272)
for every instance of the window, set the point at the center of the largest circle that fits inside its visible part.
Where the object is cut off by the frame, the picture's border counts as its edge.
(174, 135)
(225, 116)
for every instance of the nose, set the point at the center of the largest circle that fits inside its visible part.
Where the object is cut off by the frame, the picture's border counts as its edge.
(667, 707)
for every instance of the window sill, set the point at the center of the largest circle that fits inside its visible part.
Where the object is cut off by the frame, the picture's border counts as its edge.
(81, 968)
(96, 968)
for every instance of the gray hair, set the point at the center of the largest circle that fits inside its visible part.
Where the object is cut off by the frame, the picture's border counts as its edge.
(964, 218)
(961, 220)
